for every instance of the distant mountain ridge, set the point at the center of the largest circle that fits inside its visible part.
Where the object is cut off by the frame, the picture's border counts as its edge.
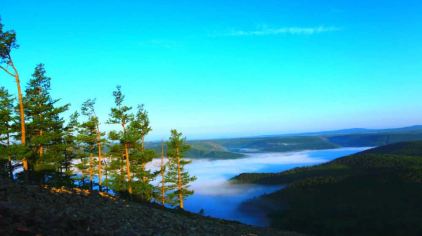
(413, 128)
(356, 137)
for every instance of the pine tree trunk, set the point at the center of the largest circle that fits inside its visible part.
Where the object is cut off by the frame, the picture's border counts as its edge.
(163, 190)
(22, 116)
(179, 179)
(129, 179)
(40, 148)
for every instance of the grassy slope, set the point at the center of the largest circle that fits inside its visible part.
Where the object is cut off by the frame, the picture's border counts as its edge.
(376, 192)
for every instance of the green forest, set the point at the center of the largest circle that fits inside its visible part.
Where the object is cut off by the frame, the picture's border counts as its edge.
(375, 192)
(51, 149)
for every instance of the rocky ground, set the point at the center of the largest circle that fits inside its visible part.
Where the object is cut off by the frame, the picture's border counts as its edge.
(43, 210)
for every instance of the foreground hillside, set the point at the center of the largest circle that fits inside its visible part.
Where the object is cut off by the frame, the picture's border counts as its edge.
(376, 192)
(35, 210)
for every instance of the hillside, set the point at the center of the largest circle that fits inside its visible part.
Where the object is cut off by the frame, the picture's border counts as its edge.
(202, 149)
(236, 147)
(35, 210)
(376, 192)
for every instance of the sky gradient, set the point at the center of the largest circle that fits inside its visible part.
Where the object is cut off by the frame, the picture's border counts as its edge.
(229, 68)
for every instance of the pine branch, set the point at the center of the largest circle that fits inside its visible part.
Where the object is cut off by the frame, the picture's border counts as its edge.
(8, 72)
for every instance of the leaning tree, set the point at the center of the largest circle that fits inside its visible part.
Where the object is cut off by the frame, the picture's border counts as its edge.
(7, 43)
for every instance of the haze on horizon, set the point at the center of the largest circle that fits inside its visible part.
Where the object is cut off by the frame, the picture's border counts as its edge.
(224, 69)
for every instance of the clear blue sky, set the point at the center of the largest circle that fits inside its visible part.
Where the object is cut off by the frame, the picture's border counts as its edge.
(230, 68)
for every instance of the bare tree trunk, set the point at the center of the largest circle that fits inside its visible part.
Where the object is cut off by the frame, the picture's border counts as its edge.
(179, 179)
(129, 178)
(40, 148)
(22, 116)
(163, 188)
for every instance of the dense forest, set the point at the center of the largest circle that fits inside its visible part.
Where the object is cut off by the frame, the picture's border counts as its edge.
(375, 192)
(40, 145)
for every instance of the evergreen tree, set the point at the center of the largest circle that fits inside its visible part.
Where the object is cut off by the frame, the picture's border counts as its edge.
(71, 142)
(88, 138)
(120, 115)
(115, 165)
(44, 124)
(7, 43)
(138, 128)
(6, 126)
(88, 109)
(177, 177)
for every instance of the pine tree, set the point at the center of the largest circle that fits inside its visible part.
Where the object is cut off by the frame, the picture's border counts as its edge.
(7, 43)
(177, 177)
(44, 124)
(120, 115)
(138, 128)
(70, 141)
(6, 126)
(88, 138)
(88, 109)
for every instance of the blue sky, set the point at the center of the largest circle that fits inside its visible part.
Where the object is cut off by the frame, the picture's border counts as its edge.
(230, 68)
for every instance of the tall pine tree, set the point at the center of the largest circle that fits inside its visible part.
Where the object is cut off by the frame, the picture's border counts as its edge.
(120, 115)
(44, 121)
(88, 109)
(71, 143)
(177, 177)
(138, 128)
(7, 43)
(6, 126)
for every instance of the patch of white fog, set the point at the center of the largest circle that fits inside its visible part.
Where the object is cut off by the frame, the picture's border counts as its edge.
(217, 197)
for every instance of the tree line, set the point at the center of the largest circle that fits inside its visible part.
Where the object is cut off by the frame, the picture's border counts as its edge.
(34, 136)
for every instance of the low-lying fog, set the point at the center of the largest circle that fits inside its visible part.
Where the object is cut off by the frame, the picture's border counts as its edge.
(218, 198)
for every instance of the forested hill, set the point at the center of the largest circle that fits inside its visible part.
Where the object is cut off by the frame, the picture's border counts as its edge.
(375, 192)
(233, 147)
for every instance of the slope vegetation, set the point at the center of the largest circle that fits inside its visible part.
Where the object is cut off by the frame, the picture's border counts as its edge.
(376, 192)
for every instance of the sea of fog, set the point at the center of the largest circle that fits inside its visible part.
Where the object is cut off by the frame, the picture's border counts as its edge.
(218, 198)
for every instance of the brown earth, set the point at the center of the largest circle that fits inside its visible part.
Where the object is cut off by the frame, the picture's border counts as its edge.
(43, 210)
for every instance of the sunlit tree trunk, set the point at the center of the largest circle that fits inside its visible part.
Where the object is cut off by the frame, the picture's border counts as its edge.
(40, 148)
(129, 178)
(21, 113)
